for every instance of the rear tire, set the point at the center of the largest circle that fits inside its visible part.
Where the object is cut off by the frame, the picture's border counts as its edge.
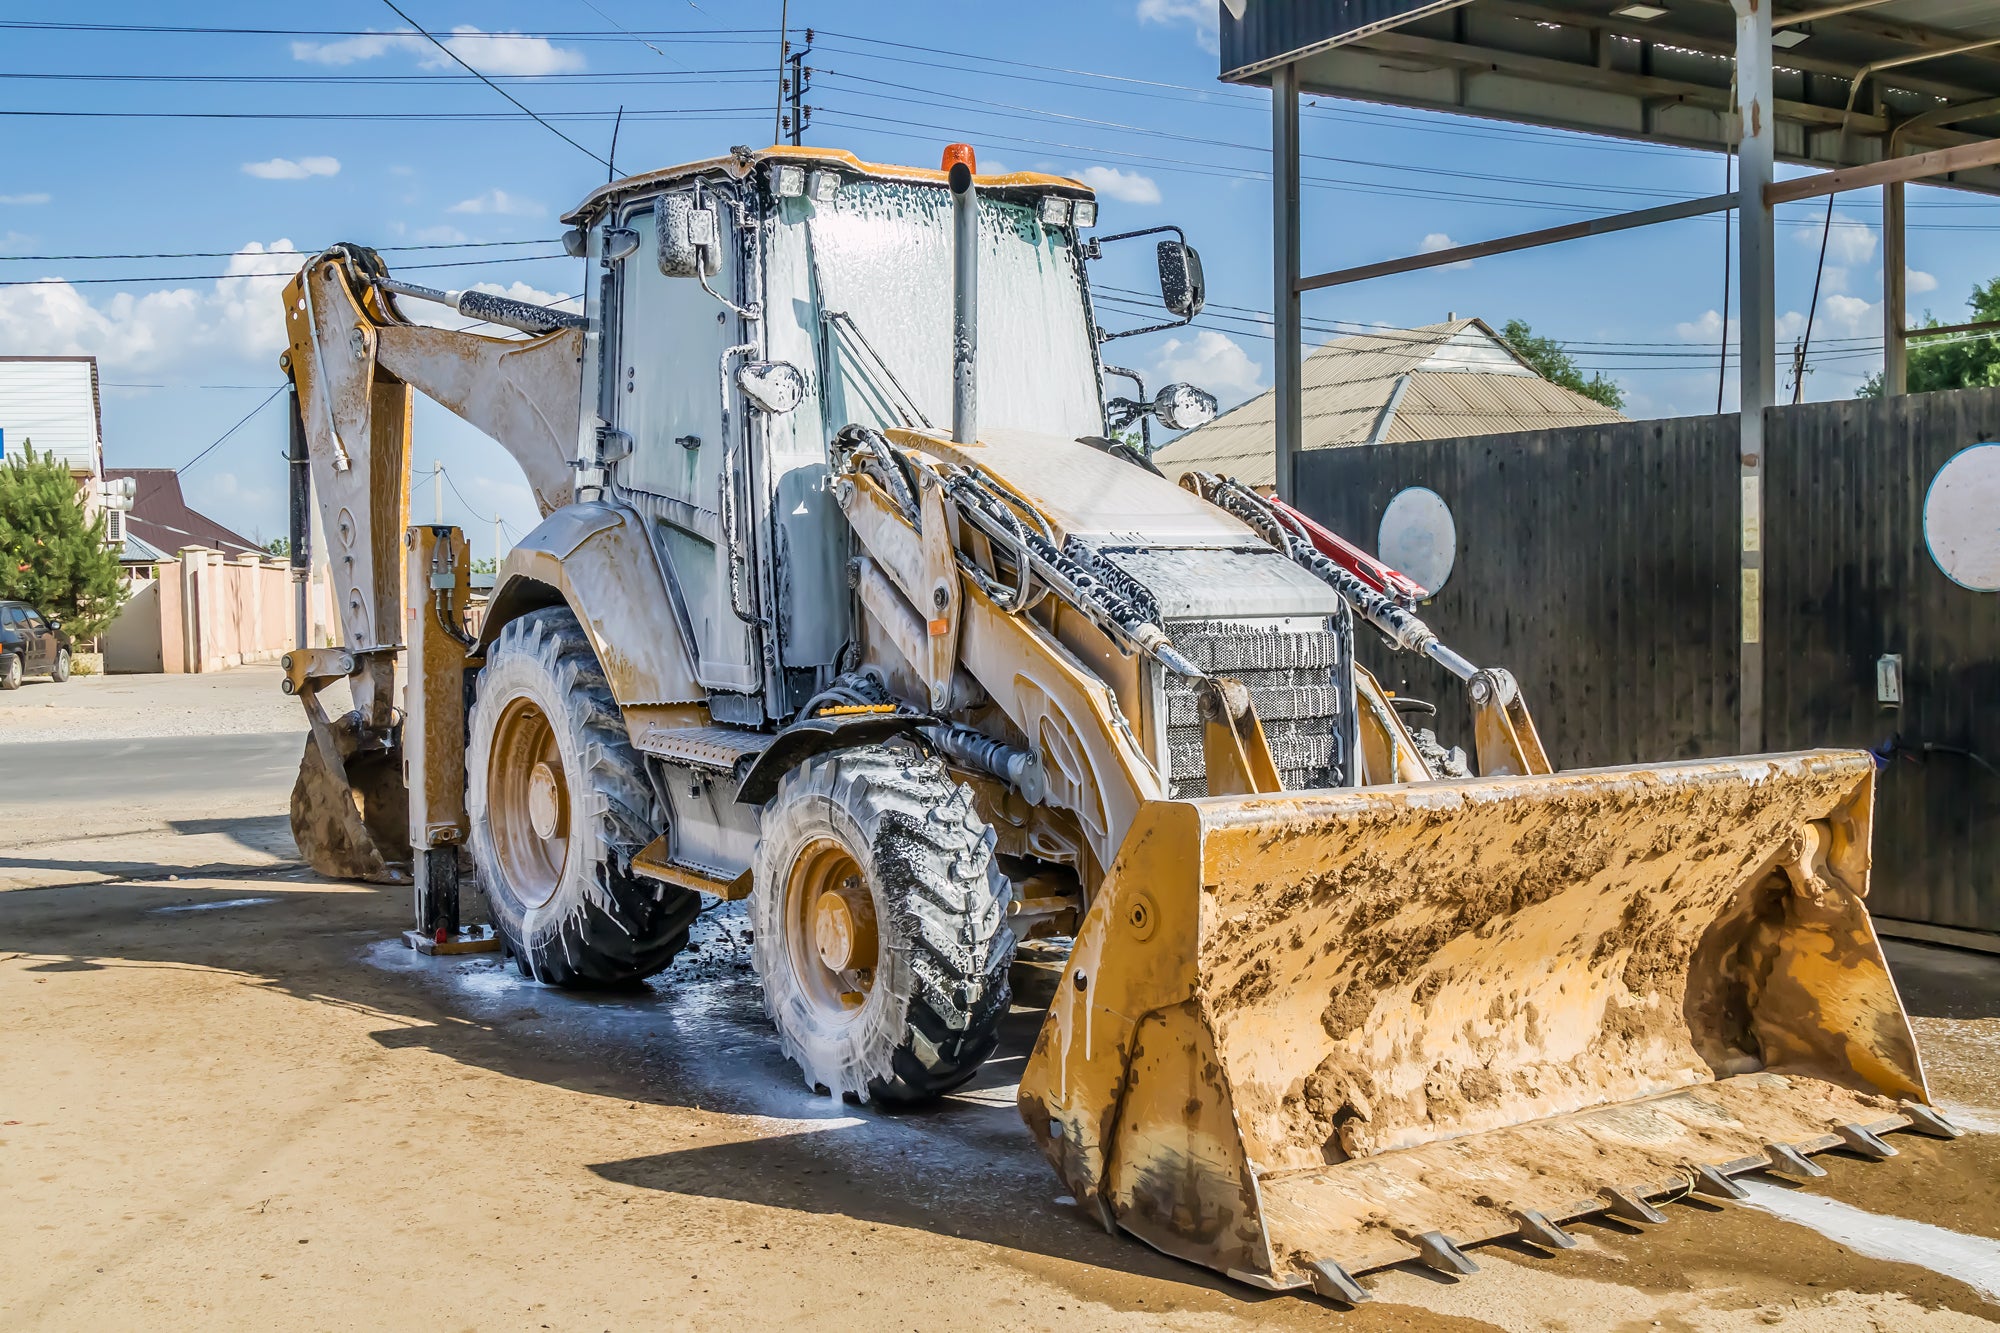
(10, 672)
(559, 804)
(61, 673)
(889, 832)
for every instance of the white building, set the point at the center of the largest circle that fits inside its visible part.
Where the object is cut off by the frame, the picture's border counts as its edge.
(53, 403)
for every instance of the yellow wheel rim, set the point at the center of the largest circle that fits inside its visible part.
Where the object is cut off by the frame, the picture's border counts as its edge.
(830, 933)
(527, 802)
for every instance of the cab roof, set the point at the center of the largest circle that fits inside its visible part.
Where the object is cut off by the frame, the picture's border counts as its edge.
(741, 162)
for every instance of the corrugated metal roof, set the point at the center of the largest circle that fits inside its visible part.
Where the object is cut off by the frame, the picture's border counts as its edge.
(1457, 378)
(51, 401)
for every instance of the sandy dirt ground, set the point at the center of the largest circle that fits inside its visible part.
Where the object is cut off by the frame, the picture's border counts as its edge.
(229, 1098)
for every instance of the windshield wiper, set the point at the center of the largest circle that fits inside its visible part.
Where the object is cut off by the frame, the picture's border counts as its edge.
(842, 320)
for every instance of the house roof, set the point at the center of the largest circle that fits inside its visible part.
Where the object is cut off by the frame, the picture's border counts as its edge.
(1388, 387)
(161, 519)
(52, 401)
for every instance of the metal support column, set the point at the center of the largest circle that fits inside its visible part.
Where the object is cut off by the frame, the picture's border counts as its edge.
(299, 530)
(1286, 335)
(1895, 298)
(1756, 299)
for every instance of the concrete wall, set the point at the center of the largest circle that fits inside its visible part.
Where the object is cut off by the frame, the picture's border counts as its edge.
(208, 612)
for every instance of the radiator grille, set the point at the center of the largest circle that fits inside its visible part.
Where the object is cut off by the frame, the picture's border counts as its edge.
(1290, 677)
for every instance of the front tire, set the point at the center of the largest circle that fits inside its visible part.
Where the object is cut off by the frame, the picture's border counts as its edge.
(881, 933)
(10, 671)
(559, 804)
(61, 673)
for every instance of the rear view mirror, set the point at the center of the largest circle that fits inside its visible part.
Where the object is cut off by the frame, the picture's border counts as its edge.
(1181, 288)
(1184, 407)
(689, 237)
(775, 386)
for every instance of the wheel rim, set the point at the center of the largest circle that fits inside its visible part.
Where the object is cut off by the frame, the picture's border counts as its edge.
(527, 802)
(830, 934)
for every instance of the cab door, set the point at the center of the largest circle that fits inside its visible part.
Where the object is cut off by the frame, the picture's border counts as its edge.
(671, 393)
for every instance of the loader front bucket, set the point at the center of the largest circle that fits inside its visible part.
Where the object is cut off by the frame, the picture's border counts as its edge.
(1306, 1035)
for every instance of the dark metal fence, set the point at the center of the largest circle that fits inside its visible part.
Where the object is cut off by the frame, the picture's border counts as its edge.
(1600, 565)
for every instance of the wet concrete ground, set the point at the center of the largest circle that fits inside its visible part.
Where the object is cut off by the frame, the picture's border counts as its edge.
(228, 1098)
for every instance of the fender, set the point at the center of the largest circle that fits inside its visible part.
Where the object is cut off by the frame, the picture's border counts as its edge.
(595, 559)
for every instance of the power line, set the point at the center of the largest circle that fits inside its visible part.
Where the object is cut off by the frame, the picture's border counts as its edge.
(217, 277)
(232, 430)
(494, 86)
(231, 254)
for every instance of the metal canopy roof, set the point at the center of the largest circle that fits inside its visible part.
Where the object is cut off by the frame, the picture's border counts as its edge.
(1578, 65)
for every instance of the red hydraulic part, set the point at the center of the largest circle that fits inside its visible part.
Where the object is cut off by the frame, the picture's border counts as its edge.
(1355, 560)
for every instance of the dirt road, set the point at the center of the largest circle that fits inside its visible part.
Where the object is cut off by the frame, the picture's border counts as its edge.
(232, 1100)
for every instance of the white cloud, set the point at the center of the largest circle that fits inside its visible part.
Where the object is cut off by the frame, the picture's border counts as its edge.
(24, 199)
(1916, 280)
(507, 53)
(499, 201)
(1707, 329)
(437, 236)
(487, 52)
(1437, 241)
(237, 322)
(1128, 187)
(1212, 361)
(1199, 15)
(350, 49)
(285, 169)
(1849, 241)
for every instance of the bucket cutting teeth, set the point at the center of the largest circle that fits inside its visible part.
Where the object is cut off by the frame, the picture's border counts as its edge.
(1926, 1120)
(1864, 1142)
(1786, 1158)
(1335, 1283)
(1630, 1205)
(1435, 1250)
(1709, 1181)
(1538, 1230)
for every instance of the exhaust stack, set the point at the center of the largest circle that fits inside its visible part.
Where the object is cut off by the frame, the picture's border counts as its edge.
(964, 297)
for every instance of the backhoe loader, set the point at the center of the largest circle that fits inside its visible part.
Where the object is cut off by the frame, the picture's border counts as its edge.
(850, 598)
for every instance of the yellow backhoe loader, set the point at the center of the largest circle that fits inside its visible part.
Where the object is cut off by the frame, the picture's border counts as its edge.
(850, 598)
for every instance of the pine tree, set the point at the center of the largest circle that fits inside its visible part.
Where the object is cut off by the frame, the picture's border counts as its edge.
(50, 556)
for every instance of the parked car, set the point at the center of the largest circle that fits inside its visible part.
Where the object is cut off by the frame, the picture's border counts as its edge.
(31, 644)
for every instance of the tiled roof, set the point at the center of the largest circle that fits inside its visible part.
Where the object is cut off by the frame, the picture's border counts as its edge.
(160, 516)
(1395, 385)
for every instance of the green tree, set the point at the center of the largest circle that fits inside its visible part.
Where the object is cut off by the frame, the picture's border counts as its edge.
(279, 546)
(1553, 363)
(1953, 363)
(50, 556)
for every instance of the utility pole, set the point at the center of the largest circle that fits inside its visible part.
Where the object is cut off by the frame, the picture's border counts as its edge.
(437, 491)
(794, 124)
(784, 52)
(497, 552)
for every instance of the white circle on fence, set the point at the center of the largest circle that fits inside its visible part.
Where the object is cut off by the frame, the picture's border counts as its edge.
(1418, 536)
(1962, 518)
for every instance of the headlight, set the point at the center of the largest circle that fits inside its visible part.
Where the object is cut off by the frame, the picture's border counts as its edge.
(1183, 407)
(788, 180)
(1085, 213)
(1053, 210)
(822, 186)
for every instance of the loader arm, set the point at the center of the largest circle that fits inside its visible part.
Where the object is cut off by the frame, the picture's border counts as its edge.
(354, 360)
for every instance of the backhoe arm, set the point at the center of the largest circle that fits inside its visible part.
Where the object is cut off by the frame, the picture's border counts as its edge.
(353, 359)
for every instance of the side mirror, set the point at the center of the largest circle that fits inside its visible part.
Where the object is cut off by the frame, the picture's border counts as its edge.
(775, 386)
(1181, 287)
(1182, 406)
(688, 237)
(620, 243)
(54, 624)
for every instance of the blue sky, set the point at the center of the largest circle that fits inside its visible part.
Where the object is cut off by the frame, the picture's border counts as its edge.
(1120, 92)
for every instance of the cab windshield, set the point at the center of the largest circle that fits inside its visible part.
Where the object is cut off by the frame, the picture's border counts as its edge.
(881, 257)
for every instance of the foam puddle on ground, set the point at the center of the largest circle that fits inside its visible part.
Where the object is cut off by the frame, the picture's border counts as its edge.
(215, 906)
(1973, 1260)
